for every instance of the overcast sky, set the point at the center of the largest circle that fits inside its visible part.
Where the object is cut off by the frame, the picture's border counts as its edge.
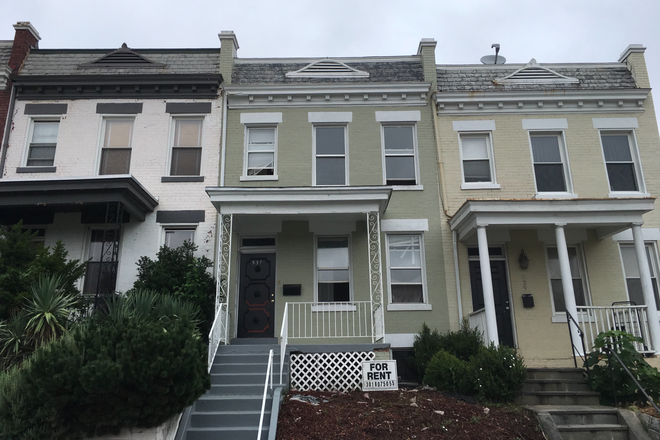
(551, 31)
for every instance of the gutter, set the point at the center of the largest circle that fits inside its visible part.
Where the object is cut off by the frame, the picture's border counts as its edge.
(5, 139)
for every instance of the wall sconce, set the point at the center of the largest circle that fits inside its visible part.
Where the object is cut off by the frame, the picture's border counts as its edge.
(523, 260)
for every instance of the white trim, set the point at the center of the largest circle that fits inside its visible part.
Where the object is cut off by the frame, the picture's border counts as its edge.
(415, 152)
(408, 307)
(30, 133)
(649, 234)
(246, 140)
(615, 123)
(329, 227)
(636, 160)
(345, 155)
(397, 340)
(491, 159)
(329, 117)
(332, 307)
(321, 307)
(652, 253)
(408, 188)
(404, 225)
(545, 124)
(582, 267)
(481, 125)
(173, 123)
(261, 118)
(424, 305)
(164, 227)
(399, 116)
(563, 155)
(101, 138)
(253, 178)
(480, 185)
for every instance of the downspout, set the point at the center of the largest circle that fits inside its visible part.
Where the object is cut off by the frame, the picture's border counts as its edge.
(224, 137)
(457, 275)
(5, 138)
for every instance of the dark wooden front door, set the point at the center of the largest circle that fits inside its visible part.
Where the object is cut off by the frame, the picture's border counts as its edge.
(256, 307)
(500, 295)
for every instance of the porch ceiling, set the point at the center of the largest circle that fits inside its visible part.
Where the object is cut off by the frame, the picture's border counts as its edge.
(72, 194)
(606, 216)
(294, 201)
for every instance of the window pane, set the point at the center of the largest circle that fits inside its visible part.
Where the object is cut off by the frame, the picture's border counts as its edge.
(622, 176)
(398, 138)
(400, 167)
(115, 161)
(188, 133)
(558, 295)
(405, 250)
(616, 148)
(333, 292)
(332, 253)
(45, 132)
(630, 266)
(261, 139)
(546, 149)
(330, 140)
(330, 171)
(333, 276)
(476, 171)
(41, 156)
(186, 161)
(118, 133)
(260, 160)
(175, 238)
(406, 276)
(550, 177)
(407, 293)
(475, 147)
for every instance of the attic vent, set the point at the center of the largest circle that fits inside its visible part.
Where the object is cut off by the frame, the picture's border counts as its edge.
(122, 58)
(532, 73)
(328, 69)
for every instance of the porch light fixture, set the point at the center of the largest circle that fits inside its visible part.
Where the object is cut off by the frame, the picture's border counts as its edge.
(523, 260)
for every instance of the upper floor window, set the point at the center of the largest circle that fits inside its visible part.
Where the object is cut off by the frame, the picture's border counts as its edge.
(400, 154)
(260, 154)
(186, 147)
(621, 161)
(406, 268)
(476, 155)
(43, 141)
(116, 148)
(332, 269)
(550, 162)
(330, 155)
(175, 238)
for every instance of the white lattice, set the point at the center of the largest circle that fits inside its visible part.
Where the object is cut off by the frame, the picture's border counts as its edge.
(328, 371)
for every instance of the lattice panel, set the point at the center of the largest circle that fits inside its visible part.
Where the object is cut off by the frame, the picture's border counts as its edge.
(328, 371)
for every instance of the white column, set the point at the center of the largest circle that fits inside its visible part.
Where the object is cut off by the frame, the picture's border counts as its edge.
(487, 286)
(567, 284)
(647, 286)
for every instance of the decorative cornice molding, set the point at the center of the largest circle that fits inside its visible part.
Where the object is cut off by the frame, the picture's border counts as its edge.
(541, 101)
(533, 73)
(327, 69)
(324, 95)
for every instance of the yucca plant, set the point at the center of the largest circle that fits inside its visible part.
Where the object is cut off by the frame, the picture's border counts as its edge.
(49, 309)
(15, 342)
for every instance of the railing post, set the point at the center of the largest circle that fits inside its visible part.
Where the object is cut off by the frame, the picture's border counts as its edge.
(487, 286)
(567, 282)
(375, 276)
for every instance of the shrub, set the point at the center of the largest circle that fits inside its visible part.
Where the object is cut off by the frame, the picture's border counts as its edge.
(124, 369)
(446, 372)
(498, 373)
(604, 372)
(427, 344)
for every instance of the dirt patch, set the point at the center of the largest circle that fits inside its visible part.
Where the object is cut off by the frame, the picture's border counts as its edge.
(405, 414)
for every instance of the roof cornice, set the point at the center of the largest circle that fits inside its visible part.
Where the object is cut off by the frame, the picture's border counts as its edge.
(541, 101)
(327, 95)
(5, 72)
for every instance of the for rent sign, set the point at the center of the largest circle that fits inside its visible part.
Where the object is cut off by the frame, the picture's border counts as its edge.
(379, 376)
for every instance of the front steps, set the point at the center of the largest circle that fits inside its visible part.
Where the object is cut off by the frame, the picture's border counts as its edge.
(569, 410)
(232, 407)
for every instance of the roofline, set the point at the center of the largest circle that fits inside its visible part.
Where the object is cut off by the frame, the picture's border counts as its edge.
(308, 60)
(106, 51)
(604, 65)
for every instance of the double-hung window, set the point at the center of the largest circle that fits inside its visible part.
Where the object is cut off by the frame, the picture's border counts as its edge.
(554, 273)
(633, 278)
(175, 238)
(330, 161)
(116, 148)
(476, 158)
(620, 160)
(549, 157)
(186, 147)
(43, 141)
(260, 151)
(405, 268)
(333, 269)
(399, 148)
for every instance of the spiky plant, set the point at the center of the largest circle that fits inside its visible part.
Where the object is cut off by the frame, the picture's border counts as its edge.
(48, 308)
(15, 342)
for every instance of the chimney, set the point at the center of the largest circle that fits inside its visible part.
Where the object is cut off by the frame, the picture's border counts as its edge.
(426, 50)
(633, 56)
(228, 49)
(26, 38)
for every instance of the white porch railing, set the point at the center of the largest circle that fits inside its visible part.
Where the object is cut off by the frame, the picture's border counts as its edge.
(330, 320)
(284, 338)
(478, 320)
(632, 319)
(269, 375)
(218, 331)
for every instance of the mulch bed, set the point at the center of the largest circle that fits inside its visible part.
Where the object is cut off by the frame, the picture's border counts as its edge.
(404, 414)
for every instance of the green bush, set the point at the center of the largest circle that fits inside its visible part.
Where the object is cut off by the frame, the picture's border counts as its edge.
(426, 345)
(129, 368)
(604, 371)
(446, 372)
(498, 373)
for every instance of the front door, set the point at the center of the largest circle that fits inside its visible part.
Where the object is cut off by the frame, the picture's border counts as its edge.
(500, 295)
(256, 302)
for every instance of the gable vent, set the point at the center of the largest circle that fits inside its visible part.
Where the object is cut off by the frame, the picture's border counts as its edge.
(533, 73)
(122, 58)
(328, 69)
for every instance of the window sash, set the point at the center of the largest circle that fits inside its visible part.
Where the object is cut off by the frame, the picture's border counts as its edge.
(115, 161)
(186, 161)
(406, 265)
(399, 150)
(260, 151)
(621, 167)
(116, 151)
(556, 286)
(41, 155)
(43, 142)
(175, 238)
(476, 160)
(632, 275)
(332, 269)
(330, 152)
(549, 162)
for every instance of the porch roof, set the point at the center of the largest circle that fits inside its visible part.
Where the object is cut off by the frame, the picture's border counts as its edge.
(300, 200)
(73, 194)
(606, 216)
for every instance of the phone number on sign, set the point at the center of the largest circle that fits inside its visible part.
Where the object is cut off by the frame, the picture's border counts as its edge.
(380, 384)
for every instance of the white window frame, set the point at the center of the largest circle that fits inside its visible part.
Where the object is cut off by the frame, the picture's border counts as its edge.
(178, 227)
(424, 305)
(28, 139)
(491, 161)
(246, 153)
(104, 123)
(415, 153)
(636, 160)
(563, 153)
(260, 120)
(325, 306)
(345, 155)
(561, 316)
(652, 252)
(173, 123)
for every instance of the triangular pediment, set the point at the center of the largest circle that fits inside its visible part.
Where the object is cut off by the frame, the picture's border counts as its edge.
(123, 58)
(533, 73)
(327, 69)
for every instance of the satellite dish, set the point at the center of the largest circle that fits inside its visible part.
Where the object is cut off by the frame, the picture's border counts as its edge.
(490, 59)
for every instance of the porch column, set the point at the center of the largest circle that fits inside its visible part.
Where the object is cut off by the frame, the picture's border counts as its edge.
(375, 276)
(487, 286)
(567, 285)
(647, 286)
(223, 261)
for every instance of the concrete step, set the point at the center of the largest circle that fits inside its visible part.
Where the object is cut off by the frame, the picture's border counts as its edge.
(594, 432)
(214, 403)
(559, 398)
(237, 389)
(225, 433)
(555, 373)
(585, 416)
(532, 385)
(244, 358)
(254, 341)
(245, 378)
(245, 367)
(228, 419)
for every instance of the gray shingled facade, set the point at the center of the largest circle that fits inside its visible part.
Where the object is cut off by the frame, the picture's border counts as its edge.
(5, 53)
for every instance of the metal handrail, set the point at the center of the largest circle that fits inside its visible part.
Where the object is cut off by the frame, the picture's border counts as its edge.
(284, 339)
(608, 350)
(269, 374)
(583, 355)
